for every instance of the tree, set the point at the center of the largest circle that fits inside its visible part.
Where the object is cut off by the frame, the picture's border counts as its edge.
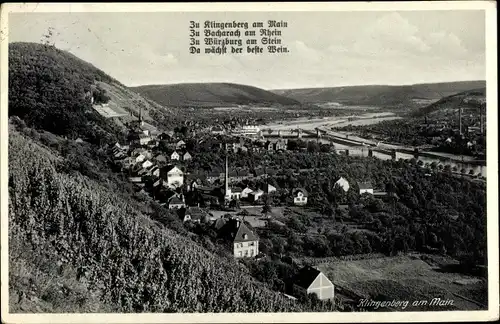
(244, 213)
(266, 209)
(312, 147)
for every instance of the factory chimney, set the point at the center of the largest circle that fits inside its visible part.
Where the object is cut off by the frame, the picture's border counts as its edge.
(460, 119)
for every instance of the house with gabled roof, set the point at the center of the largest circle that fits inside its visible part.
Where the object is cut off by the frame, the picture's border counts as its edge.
(173, 175)
(255, 195)
(365, 187)
(342, 183)
(245, 242)
(195, 215)
(155, 171)
(245, 192)
(146, 164)
(186, 156)
(236, 193)
(299, 196)
(310, 280)
(180, 145)
(280, 145)
(269, 146)
(175, 156)
(139, 158)
(175, 203)
(269, 188)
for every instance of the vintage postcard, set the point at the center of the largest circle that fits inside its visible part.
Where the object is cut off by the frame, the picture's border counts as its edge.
(249, 162)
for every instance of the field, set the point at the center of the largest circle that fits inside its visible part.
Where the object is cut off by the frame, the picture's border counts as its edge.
(406, 278)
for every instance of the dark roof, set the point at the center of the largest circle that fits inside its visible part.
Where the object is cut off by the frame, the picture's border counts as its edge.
(244, 234)
(175, 201)
(196, 212)
(236, 189)
(170, 167)
(306, 276)
(296, 190)
(365, 185)
(259, 171)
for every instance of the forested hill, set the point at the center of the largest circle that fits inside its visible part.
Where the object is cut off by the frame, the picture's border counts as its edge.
(76, 246)
(211, 95)
(50, 89)
(380, 94)
(449, 105)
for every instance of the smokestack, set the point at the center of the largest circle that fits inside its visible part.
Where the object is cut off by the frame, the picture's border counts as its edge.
(226, 178)
(460, 119)
(481, 119)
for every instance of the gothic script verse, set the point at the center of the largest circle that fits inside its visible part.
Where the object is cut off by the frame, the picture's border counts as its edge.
(237, 37)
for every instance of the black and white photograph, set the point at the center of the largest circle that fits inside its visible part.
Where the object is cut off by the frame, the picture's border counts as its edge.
(236, 163)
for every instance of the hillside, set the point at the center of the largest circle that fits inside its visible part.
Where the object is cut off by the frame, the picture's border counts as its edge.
(49, 89)
(380, 95)
(470, 100)
(211, 95)
(76, 246)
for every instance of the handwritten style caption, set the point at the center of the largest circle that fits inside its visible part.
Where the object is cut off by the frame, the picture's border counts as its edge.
(403, 304)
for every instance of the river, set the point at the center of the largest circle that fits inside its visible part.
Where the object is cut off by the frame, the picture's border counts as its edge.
(328, 122)
(372, 118)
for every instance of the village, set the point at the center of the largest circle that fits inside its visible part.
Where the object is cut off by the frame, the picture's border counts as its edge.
(158, 165)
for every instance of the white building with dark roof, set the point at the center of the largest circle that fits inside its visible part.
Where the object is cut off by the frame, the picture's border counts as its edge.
(365, 187)
(300, 196)
(310, 280)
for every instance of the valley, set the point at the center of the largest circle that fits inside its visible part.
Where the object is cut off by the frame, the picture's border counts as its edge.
(199, 197)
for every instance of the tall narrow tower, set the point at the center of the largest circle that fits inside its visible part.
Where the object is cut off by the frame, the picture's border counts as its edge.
(481, 125)
(227, 190)
(460, 119)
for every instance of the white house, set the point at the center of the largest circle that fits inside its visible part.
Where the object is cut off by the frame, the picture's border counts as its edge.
(365, 187)
(180, 144)
(144, 139)
(175, 203)
(175, 156)
(155, 171)
(342, 183)
(269, 188)
(300, 197)
(139, 158)
(175, 177)
(245, 192)
(310, 280)
(245, 242)
(255, 195)
(186, 156)
(236, 193)
(146, 164)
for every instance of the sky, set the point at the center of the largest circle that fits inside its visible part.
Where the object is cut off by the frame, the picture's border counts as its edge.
(326, 48)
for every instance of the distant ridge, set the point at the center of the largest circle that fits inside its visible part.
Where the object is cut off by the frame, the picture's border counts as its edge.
(211, 95)
(470, 99)
(380, 94)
